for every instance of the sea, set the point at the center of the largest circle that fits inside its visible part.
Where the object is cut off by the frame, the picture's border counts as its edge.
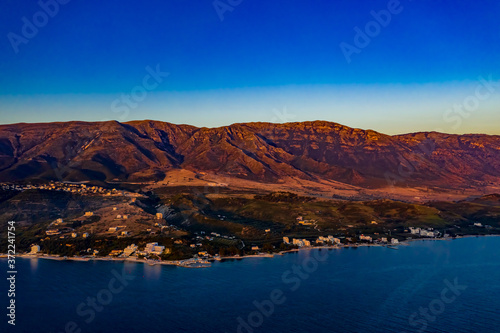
(425, 286)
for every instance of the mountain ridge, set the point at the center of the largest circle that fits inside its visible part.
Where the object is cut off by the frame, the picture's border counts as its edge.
(146, 150)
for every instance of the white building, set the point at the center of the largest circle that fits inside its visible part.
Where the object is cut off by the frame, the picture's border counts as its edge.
(154, 248)
(334, 240)
(394, 241)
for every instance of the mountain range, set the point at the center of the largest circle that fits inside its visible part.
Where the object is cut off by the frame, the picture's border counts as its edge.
(264, 152)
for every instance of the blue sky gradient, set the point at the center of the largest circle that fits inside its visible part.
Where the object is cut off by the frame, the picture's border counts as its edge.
(264, 57)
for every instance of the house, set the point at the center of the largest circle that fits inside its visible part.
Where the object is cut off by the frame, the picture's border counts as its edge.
(89, 214)
(85, 235)
(52, 232)
(35, 249)
(478, 224)
(159, 216)
(394, 241)
(268, 230)
(365, 238)
(286, 240)
(124, 233)
(255, 248)
(115, 252)
(383, 239)
(113, 229)
(74, 234)
(118, 217)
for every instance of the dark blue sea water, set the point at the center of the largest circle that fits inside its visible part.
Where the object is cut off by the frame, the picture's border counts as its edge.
(429, 286)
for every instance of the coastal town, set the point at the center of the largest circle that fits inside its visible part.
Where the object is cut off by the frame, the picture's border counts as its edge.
(83, 221)
(77, 188)
(202, 245)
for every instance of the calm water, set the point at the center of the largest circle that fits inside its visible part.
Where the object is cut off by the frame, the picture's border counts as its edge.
(369, 289)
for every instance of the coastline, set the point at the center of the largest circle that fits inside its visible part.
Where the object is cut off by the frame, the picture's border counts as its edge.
(203, 263)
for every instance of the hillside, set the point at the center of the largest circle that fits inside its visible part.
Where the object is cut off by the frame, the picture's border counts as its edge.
(262, 152)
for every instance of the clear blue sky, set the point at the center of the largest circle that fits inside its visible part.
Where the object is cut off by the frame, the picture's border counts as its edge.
(264, 61)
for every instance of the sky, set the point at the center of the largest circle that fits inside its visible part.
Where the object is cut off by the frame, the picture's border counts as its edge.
(391, 66)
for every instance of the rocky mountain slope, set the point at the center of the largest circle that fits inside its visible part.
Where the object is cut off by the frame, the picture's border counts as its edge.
(265, 152)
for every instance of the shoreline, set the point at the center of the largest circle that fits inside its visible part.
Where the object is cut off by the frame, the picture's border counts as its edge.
(204, 263)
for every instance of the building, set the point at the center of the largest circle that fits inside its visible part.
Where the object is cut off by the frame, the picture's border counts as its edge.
(383, 239)
(113, 229)
(85, 235)
(35, 249)
(159, 216)
(478, 224)
(89, 214)
(129, 250)
(334, 240)
(115, 252)
(154, 248)
(74, 234)
(52, 232)
(255, 248)
(394, 241)
(365, 238)
(286, 240)
(415, 231)
(124, 233)
(301, 242)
